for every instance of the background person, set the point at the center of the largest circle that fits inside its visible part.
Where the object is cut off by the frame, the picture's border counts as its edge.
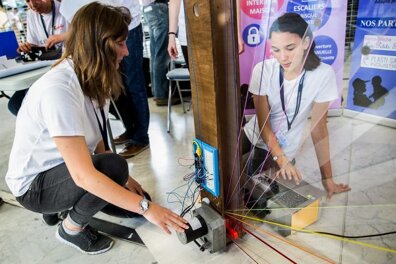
(46, 27)
(177, 28)
(155, 13)
(60, 125)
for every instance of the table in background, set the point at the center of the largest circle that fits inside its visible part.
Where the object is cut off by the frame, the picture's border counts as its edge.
(20, 81)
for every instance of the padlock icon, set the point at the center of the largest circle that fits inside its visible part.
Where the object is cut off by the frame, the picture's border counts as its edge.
(253, 37)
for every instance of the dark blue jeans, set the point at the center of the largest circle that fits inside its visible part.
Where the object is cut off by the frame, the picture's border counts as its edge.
(54, 190)
(133, 106)
(156, 16)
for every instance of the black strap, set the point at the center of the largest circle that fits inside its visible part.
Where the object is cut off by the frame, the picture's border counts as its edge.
(282, 96)
(53, 20)
(103, 130)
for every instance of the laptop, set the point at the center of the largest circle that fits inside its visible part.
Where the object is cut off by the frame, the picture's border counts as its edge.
(8, 45)
(286, 203)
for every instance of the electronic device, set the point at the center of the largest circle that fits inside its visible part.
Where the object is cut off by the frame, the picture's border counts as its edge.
(206, 226)
(284, 202)
(41, 54)
(206, 163)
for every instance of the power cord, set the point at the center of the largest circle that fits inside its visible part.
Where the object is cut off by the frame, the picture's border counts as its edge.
(363, 236)
(188, 208)
(179, 198)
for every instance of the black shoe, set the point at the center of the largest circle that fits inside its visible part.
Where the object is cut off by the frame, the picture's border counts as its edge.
(88, 241)
(62, 215)
(53, 219)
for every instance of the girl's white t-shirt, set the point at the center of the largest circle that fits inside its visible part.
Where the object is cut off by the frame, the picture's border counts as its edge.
(319, 86)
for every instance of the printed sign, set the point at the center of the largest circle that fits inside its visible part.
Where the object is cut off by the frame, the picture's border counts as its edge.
(258, 8)
(326, 49)
(252, 35)
(315, 12)
(373, 66)
(326, 18)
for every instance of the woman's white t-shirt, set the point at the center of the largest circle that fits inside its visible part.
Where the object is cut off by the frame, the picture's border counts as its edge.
(54, 106)
(319, 86)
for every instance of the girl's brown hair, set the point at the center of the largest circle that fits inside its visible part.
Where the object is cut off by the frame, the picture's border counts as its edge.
(91, 45)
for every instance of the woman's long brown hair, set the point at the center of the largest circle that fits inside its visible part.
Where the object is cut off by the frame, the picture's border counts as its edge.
(91, 45)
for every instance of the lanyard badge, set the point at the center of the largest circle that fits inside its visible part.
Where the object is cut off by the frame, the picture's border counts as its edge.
(102, 127)
(282, 139)
(282, 96)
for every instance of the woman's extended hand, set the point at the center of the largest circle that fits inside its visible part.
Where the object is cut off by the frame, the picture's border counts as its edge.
(165, 218)
(332, 188)
(290, 172)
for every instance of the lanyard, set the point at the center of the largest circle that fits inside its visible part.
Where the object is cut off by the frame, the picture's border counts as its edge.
(282, 96)
(53, 20)
(103, 129)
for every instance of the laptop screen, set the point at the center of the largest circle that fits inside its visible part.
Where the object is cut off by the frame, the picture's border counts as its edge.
(8, 44)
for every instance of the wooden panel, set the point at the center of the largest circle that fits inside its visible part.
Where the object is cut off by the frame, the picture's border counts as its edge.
(215, 87)
(202, 74)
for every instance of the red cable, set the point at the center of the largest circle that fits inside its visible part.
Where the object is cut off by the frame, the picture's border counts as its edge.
(277, 251)
(245, 252)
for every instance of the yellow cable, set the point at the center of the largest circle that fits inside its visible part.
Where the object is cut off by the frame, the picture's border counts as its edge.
(198, 150)
(321, 207)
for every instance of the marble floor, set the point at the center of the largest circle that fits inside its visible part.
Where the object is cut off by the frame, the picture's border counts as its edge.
(363, 155)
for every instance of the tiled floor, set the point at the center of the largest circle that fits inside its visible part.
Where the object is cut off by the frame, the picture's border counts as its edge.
(363, 155)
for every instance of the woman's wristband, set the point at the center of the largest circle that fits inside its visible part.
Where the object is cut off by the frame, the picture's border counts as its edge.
(171, 33)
